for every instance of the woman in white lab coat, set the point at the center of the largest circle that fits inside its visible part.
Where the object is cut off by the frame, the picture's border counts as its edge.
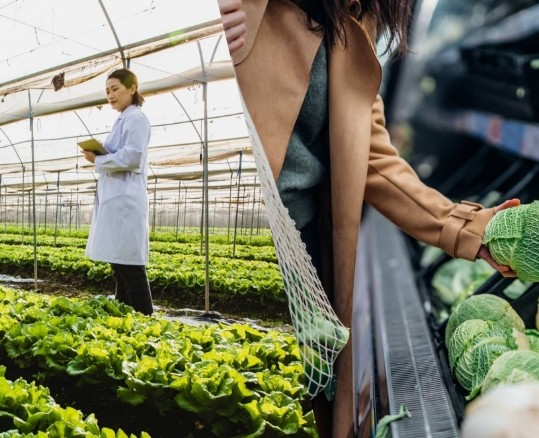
(119, 233)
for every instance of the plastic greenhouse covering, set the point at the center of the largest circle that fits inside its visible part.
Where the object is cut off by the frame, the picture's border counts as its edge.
(54, 59)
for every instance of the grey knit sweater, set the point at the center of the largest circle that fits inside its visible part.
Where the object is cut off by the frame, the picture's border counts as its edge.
(306, 160)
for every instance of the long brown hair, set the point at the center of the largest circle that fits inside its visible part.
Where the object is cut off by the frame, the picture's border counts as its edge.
(392, 17)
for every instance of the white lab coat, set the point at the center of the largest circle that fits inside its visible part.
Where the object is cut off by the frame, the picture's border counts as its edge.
(119, 232)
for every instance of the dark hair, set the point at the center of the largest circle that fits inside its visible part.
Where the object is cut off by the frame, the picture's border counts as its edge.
(392, 16)
(128, 79)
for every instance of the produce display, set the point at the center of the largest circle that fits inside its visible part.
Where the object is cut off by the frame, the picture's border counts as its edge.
(493, 356)
(512, 237)
(492, 353)
(474, 346)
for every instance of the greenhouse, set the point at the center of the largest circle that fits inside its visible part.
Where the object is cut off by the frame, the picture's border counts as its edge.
(54, 61)
(94, 367)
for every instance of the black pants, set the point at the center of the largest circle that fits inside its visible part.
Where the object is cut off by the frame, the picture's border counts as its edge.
(132, 287)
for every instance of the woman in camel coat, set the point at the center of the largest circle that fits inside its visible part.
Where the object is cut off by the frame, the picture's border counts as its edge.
(274, 61)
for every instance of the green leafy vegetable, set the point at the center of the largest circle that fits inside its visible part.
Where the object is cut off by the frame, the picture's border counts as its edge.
(533, 339)
(382, 428)
(457, 279)
(486, 307)
(472, 349)
(512, 237)
(512, 367)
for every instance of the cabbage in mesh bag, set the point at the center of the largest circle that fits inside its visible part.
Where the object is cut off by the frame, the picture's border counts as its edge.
(512, 237)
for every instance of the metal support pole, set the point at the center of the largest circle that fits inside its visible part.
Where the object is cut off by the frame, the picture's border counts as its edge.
(46, 205)
(258, 216)
(206, 202)
(178, 208)
(33, 187)
(253, 210)
(242, 225)
(184, 208)
(229, 207)
(70, 210)
(154, 203)
(22, 208)
(214, 211)
(237, 206)
(57, 205)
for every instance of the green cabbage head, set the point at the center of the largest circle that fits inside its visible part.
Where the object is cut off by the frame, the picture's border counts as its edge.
(486, 307)
(512, 236)
(473, 348)
(512, 367)
(533, 339)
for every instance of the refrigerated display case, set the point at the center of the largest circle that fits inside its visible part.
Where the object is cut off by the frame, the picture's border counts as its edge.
(464, 109)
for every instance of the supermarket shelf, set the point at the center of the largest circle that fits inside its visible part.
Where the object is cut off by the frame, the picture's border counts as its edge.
(514, 136)
(407, 367)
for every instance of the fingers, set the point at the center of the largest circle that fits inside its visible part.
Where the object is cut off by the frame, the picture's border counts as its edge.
(90, 156)
(234, 23)
(507, 204)
(506, 271)
(237, 30)
(226, 6)
(235, 44)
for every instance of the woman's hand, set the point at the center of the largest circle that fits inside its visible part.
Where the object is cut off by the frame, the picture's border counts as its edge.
(233, 23)
(89, 155)
(484, 252)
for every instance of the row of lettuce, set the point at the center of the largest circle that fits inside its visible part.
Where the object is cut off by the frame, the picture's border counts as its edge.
(237, 269)
(207, 380)
(34, 413)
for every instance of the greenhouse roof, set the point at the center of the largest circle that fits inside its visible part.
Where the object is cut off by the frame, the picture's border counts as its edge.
(54, 59)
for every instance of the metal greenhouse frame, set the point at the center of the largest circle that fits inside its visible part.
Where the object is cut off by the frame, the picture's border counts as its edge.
(54, 60)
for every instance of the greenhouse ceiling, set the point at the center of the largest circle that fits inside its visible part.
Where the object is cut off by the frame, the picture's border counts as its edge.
(54, 59)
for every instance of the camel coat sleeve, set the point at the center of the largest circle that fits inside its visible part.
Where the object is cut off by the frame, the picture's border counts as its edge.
(394, 189)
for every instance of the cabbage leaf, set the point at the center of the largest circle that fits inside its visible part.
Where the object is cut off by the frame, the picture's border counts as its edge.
(473, 348)
(486, 307)
(512, 367)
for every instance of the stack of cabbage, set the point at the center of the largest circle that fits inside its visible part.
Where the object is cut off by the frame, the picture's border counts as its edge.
(512, 237)
(490, 351)
(488, 345)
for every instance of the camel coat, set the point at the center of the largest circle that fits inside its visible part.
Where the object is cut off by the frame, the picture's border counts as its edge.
(273, 70)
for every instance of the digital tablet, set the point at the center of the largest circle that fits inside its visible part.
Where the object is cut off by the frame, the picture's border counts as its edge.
(93, 145)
